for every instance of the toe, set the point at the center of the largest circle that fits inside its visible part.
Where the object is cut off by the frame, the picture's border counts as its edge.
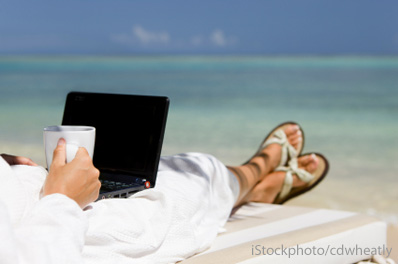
(303, 161)
(291, 130)
(295, 139)
(294, 135)
(313, 164)
(308, 162)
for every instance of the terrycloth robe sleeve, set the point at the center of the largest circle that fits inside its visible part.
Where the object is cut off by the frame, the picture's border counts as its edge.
(51, 230)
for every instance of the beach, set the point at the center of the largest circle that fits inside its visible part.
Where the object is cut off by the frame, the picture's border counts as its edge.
(347, 107)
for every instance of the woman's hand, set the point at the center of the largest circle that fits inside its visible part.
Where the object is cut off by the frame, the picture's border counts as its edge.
(77, 179)
(17, 160)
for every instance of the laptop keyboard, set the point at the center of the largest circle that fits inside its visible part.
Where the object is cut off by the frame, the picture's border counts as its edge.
(109, 186)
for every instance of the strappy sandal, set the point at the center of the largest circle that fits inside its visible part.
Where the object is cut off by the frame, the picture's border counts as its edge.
(278, 136)
(312, 179)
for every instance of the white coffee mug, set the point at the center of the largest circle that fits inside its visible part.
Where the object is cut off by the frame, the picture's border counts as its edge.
(75, 137)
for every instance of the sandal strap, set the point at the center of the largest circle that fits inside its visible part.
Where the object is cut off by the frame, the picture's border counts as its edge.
(279, 137)
(291, 169)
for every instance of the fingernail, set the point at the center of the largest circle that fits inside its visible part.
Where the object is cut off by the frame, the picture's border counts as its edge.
(299, 132)
(61, 141)
(313, 156)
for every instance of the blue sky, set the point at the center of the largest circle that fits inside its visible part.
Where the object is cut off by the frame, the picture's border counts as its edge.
(199, 27)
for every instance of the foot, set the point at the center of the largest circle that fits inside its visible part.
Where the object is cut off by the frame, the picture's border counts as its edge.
(265, 161)
(267, 190)
(269, 158)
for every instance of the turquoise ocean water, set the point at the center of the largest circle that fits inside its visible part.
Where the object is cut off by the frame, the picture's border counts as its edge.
(225, 106)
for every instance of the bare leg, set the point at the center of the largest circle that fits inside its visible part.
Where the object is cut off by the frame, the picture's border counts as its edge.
(267, 189)
(261, 165)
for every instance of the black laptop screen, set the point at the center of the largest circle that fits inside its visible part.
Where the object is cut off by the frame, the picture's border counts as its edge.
(129, 129)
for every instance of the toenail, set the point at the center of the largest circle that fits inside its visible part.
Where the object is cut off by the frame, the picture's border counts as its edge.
(313, 156)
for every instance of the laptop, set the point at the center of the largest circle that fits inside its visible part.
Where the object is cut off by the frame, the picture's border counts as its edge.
(129, 137)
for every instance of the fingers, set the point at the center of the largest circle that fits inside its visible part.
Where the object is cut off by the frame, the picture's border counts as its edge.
(59, 155)
(93, 184)
(92, 188)
(24, 161)
(95, 191)
(96, 184)
(82, 153)
(83, 158)
(18, 160)
(94, 174)
(78, 179)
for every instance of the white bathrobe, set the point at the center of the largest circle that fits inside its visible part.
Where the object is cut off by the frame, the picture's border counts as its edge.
(180, 217)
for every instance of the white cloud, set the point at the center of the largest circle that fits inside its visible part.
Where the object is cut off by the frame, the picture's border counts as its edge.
(146, 36)
(215, 38)
(218, 38)
(141, 35)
